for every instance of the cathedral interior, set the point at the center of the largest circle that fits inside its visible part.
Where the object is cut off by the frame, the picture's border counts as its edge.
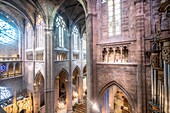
(84, 56)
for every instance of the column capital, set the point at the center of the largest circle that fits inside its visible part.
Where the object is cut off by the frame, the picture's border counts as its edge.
(166, 54)
(154, 59)
(91, 14)
(48, 28)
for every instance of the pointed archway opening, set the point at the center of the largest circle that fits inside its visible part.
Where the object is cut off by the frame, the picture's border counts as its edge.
(61, 90)
(114, 100)
(39, 100)
(76, 85)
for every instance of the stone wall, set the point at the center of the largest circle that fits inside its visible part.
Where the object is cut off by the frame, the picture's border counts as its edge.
(15, 83)
(124, 74)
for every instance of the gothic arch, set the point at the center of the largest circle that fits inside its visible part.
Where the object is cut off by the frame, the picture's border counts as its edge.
(64, 71)
(164, 6)
(76, 68)
(108, 85)
(38, 77)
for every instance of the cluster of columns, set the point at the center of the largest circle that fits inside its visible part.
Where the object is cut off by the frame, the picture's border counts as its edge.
(114, 54)
(160, 81)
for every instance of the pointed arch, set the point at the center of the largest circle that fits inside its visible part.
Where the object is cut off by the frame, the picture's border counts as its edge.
(38, 77)
(108, 85)
(76, 68)
(63, 71)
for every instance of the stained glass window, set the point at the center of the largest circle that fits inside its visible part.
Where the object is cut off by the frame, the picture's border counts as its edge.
(40, 32)
(29, 36)
(2, 68)
(114, 17)
(61, 29)
(8, 31)
(75, 34)
(5, 93)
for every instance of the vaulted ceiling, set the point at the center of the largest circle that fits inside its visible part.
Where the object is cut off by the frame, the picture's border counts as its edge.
(72, 10)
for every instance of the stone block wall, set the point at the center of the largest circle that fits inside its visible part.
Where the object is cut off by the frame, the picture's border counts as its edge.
(124, 74)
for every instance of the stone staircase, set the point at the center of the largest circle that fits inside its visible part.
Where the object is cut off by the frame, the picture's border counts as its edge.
(80, 107)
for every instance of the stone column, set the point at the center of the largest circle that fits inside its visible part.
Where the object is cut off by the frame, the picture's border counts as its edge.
(165, 87)
(160, 94)
(166, 58)
(152, 83)
(49, 80)
(121, 50)
(56, 94)
(80, 89)
(163, 102)
(107, 55)
(7, 69)
(168, 74)
(155, 86)
(139, 17)
(101, 54)
(69, 81)
(36, 98)
(14, 68)
(91, 60)
(114, 54)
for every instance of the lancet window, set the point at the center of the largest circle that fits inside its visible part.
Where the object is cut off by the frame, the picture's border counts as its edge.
(40, 32)
(60, 31)
(114, 17)
(75, 34)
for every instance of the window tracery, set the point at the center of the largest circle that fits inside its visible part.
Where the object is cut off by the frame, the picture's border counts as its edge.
(29, 36)
(4, 93)
(8, 31)
(114, 17)
(40, 32)
(75, 34)
(60, 31)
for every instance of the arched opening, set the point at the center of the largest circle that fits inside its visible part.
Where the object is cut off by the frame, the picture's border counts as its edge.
(76, 84)
(61, 90)
(39, 91)
(114, 100)
(125, 54)
(108, 94)
(104, 55)
(117, 55)
(111, 55)
(17, 69)
(10, 69)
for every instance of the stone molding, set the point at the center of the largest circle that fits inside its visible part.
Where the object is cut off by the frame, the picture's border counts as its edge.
(154, 59)
(166, 53)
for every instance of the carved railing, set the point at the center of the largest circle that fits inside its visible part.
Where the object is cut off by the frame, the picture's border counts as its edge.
(18, 106)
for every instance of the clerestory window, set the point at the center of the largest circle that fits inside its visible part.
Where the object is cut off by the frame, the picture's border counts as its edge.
(114, 17)
(75, 34)
(60, 30)
(8, 31)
